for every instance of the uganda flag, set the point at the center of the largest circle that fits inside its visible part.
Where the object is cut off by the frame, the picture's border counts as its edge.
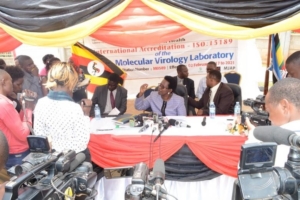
(277, 67)
(95, 66)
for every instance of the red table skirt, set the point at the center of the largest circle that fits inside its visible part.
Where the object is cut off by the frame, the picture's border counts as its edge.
(219, 153)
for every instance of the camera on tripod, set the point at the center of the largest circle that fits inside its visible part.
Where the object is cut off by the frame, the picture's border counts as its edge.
(46, 174)
(259, 117)
(258, 179)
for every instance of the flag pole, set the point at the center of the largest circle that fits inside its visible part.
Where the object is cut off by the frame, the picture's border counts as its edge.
(266, 85)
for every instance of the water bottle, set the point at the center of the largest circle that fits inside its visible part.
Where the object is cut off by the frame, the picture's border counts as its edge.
(97, 112)
(212, 110)
(237, 109)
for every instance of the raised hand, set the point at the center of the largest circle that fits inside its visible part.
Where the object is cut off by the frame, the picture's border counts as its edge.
(143, 88)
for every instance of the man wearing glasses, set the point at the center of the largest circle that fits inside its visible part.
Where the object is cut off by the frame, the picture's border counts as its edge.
(202, 83)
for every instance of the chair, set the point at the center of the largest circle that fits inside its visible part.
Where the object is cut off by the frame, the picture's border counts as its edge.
(237, 92)
(182, 91)
(233, 77)
(147, 93)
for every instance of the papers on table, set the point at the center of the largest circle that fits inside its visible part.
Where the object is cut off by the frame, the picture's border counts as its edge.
(114, 111)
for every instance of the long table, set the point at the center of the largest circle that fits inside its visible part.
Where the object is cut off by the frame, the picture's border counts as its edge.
(212, 144)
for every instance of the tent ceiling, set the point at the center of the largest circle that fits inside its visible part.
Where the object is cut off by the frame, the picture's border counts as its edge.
(135, 23)
(50, 15)
(247, 13)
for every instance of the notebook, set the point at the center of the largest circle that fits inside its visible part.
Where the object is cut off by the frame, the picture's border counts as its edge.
(123, 119)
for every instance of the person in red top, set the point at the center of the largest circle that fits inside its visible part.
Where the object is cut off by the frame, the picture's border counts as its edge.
(14, 125)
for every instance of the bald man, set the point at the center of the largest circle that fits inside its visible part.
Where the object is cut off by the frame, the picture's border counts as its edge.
(13, 124)
(283, 106)
(3, 158)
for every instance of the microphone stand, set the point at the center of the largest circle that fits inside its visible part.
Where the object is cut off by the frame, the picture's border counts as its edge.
(161, 132)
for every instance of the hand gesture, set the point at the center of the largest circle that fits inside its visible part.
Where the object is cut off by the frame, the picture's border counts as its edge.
(86, 105)
(143, 89)
(29, 94)
(249, 125)
(199, 112)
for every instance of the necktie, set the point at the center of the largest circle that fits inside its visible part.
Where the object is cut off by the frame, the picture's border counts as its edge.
(208, 103)
(112, 100)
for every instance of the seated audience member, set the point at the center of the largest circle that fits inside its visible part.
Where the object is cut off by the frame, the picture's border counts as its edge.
(4, 152)
(292, 65)
(79, 92)
(216, 92)
(110, 96)
(15, 126)
(163, 102)
(202, 83)
(2, 64)
(182, 78)
(49, 63)
(31, 78)
(57, 116)
(283, 106)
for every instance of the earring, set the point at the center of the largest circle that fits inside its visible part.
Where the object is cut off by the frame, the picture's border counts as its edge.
(168, 92)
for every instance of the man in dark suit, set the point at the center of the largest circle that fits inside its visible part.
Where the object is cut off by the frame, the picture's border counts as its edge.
(182, 78)
(110, 96)
(216, 92)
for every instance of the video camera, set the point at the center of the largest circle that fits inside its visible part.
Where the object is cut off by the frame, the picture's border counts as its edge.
(258, 179)
(147, 187)
(46, 174)
(260, 117)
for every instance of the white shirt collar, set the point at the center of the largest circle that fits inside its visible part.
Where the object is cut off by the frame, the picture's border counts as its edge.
(293, 126)
(215, 88)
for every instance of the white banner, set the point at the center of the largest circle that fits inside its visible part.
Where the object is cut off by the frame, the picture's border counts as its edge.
(193, 50)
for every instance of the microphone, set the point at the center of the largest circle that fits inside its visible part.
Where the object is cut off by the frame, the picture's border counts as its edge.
(144, 128)
(80, 158)
(176, 123)
(159, 171)
(165, 127)
(203, 121)
(158, 176)
(154, 129)
(277, 134)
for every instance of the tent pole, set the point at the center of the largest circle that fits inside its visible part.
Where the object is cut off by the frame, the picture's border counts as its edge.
(266, 86)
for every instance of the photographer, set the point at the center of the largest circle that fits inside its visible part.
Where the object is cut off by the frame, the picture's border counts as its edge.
(283, 105)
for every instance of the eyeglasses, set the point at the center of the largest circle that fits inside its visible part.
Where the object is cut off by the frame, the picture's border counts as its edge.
(162, 86)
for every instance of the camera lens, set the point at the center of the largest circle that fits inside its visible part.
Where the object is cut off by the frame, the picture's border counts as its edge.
(25, 167)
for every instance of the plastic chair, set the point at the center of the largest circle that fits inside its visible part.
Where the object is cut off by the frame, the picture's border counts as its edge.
(233, 77)
(181, 91)
(237, 92)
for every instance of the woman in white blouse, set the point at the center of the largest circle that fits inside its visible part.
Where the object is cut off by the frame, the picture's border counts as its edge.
(58, 117)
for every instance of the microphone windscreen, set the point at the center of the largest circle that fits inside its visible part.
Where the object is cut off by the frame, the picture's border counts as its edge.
(172, 122)
(159, 166)
(273, 134)
(80, 158)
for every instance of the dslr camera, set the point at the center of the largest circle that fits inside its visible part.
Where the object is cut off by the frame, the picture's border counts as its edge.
(47, 174)
(258, 179)
(259, 117)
